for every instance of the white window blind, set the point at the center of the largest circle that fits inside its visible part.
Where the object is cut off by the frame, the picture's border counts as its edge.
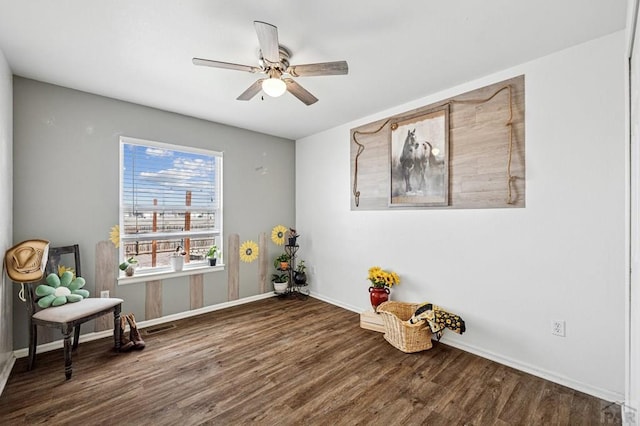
(170, 199)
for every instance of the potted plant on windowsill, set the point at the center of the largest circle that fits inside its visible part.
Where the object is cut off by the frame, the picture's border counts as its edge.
(280, 282)
(129, 266)
(177, 259)
(212, 255)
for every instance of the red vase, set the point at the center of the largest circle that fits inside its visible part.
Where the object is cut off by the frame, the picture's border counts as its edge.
(377, 295)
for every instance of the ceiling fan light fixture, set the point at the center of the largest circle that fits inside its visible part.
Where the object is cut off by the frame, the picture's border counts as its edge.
(277, 72)
(274, 87)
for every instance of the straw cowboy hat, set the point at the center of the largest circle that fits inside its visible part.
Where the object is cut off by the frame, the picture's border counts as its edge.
(26, 261)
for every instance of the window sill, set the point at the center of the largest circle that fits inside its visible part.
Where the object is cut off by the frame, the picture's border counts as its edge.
(168, 273)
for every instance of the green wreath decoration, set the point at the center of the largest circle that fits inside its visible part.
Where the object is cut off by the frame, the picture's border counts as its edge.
(60, 290)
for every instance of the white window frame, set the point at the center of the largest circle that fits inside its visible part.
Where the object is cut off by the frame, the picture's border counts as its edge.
(160, 272)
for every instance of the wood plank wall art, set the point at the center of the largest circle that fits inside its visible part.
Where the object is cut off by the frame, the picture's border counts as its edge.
(196, 291)
(263, 263)
(467, 151)
(107, 270)
(153, 299)
(233, 258)
(106, 276)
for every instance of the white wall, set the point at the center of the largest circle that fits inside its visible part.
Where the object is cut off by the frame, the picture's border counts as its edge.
(507, 272)
(6, 215)
(633, 295)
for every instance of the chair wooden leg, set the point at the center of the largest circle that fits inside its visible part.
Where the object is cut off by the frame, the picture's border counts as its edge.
(116, 327)
(33, 338)
(66, 332)
(76, 337)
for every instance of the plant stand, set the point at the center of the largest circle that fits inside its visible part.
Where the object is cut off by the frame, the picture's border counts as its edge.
(300, 291)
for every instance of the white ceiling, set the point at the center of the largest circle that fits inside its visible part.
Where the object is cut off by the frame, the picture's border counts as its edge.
(140, 50)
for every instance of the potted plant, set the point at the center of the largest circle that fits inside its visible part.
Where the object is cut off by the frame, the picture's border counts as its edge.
(300, 275)
(129, 266)
(280, 282)
(177, 259)
(212, 255)
(282, 262)
(381, 281)
(293, 237)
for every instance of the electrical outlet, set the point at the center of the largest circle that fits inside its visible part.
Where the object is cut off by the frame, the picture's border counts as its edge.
(557, 328)
(104, 293)
(630, 416)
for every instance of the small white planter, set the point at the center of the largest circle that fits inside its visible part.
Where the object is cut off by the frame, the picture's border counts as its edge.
(280, 287)
(177, 262)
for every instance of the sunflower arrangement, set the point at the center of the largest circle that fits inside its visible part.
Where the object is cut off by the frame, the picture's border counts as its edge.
(380, 278)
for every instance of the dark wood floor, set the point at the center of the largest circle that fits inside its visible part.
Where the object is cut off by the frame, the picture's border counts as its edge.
(285, 362)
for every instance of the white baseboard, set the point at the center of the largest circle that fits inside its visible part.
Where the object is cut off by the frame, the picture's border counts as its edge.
(527, 368)
(206, 309)
(335, 302)
(536, 371)
(58, 344)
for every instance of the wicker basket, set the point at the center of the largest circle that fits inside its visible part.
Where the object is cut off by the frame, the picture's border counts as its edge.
(399, 332)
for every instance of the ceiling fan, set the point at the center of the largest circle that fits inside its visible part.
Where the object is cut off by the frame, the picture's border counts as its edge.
(274, 62)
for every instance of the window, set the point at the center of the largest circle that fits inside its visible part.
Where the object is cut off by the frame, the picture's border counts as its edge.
(170, 199)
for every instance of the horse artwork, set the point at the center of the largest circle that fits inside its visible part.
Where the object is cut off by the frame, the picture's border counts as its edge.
(419, 160)
(415, 161)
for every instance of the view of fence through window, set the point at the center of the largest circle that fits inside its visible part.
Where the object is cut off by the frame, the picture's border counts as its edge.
(170, 201)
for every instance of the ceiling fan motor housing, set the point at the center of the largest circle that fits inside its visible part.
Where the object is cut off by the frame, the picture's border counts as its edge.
(285, 55)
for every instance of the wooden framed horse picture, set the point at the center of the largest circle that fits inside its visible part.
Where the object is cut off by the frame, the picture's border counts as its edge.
(419, 159)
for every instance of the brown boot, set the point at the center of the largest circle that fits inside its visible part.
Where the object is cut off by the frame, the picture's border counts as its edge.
(125, 344)
(134, 333)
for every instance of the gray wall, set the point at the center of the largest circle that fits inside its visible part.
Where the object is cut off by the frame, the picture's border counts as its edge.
(6, 220)
(66, 171)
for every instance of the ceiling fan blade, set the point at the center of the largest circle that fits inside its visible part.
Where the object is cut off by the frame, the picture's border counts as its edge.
(300, 92)
(268, 39)
(325, 68)
(251, 91)
(225, 65)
